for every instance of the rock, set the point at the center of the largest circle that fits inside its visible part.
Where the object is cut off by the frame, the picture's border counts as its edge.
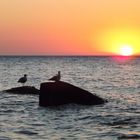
(59, 93)
(23, 90)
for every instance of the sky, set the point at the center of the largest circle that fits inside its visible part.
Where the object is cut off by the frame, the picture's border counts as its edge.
(69, 27)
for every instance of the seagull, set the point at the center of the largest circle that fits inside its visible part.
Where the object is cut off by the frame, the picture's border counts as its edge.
(56, 77)
(23, 79)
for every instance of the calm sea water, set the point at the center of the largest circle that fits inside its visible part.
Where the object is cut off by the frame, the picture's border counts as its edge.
(117, 80)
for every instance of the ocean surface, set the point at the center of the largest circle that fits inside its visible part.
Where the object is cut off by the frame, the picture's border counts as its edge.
(115, 79)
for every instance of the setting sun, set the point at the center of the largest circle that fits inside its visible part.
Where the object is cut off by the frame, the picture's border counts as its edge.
(126, 50)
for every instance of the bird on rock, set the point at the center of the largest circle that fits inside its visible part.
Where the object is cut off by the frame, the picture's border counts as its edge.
(23, 79)
(56, 78)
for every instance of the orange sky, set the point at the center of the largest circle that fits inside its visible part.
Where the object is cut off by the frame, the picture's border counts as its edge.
(68, 27)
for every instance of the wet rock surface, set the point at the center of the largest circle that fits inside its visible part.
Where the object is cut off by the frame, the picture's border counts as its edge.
(23, 90)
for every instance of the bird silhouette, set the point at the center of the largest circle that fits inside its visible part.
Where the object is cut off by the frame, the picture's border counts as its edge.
(56, 77)
(23, 80)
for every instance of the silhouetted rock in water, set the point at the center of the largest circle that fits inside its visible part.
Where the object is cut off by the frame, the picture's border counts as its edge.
(59, 93)
(23, 90)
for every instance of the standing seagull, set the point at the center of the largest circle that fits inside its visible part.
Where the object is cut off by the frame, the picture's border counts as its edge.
(56, 77)
(23, 79)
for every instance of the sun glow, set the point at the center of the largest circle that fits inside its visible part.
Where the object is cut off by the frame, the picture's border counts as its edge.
(126, 50)
(119, 41)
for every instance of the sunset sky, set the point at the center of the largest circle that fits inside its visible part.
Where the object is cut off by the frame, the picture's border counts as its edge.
(69, 27)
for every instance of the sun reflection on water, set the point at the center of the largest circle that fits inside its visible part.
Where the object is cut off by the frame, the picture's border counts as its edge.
(122, 59)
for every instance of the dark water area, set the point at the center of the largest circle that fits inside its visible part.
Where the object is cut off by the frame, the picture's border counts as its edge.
(116, 79)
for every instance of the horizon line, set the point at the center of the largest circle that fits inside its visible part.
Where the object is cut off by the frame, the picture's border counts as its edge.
(36, 55)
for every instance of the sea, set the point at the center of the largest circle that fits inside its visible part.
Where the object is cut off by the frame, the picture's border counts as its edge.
(116, 79)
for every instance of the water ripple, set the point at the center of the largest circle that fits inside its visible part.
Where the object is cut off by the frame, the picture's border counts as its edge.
(21, 118)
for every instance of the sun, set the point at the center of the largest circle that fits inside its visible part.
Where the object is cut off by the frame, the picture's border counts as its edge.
(126, 50)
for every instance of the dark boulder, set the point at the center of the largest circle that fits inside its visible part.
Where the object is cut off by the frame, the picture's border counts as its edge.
(23, 90)
(59, 93)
